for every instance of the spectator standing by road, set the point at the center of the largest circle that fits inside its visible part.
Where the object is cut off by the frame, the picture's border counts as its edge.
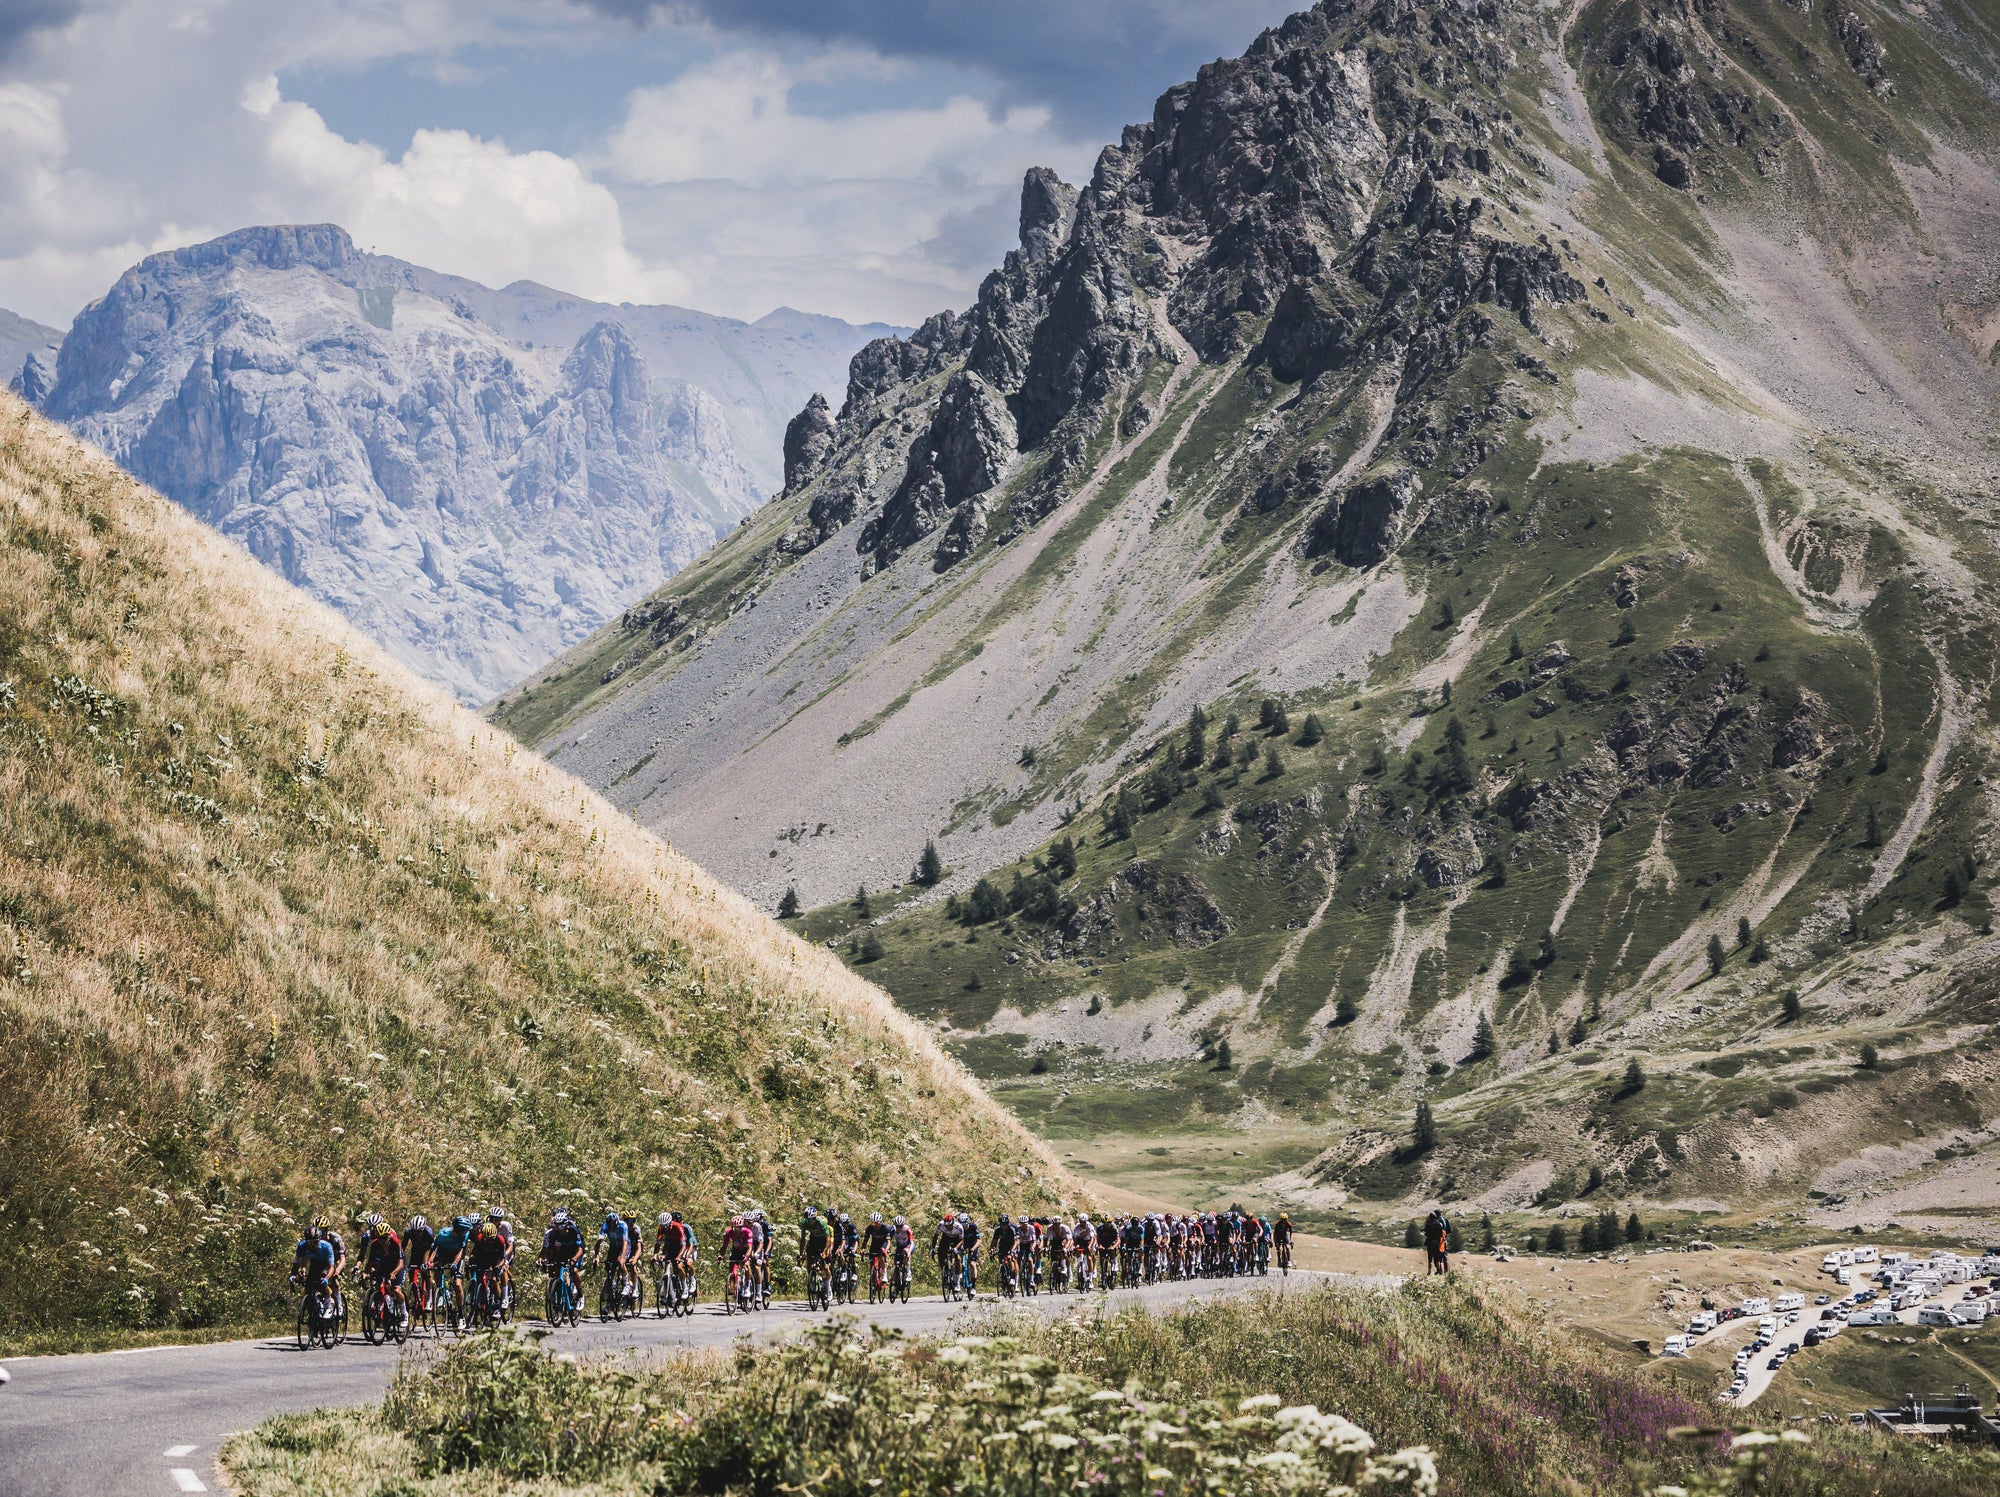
(1437, 1241)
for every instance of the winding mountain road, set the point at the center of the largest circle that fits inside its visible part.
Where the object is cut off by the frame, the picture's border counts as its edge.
(150, 1421)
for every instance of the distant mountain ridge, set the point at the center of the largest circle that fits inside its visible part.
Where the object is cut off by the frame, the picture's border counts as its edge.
(23, 339)
(477, 477)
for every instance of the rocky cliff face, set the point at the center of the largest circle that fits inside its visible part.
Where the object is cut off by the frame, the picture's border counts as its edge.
(27, 354)
(478, 478)
(1487, 506)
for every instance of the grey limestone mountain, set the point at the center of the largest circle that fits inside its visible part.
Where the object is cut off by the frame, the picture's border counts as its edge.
(478, 477)
(1477, 519)
(24, 343)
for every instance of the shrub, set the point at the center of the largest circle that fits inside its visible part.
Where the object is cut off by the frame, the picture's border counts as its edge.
(788, 907)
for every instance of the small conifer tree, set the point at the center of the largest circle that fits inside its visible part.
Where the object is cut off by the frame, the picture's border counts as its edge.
(1635, 1230)
(930, 867)
(1716, 956)
(1273, 764)
(1311, 731)
(862, 907)
(1423, 1130)
(1635, 1078)
(788, 907)
(1791, 1006)
(1484, 1041)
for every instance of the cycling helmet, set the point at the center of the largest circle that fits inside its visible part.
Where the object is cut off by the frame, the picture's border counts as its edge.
(1003, 1216)
(735, 1221)
(875, 1217)
(675, 1215)
(899, 1221)
(465, 1223)
(372, 1220)
(495, 1213)
(812, 1211)
(666, 1217)
(560, 1218)
(950, 1216)
(418, 1224)
(845, 1219)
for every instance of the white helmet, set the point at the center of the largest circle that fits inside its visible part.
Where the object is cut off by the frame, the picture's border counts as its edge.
(494, 1213)
(418, 1224)
(666, 1218)
(372, 1220)
(899, 1221)
(875, 1217)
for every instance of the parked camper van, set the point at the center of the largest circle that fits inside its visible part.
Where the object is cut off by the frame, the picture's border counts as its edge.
(1674, 1346)
(1784, 1304)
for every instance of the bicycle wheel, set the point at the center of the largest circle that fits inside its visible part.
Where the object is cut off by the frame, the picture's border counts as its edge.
(308, 1328)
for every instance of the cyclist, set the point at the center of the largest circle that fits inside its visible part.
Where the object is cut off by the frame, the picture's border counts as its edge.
(762, 1236)
(903, 1239)
(815, 1249)
(486, 1254)
(634, 1237)
(382, 1260)
(875, 1237)
(850, 1239)
(504, 1230)
(971, 1252)
(613, 1248)
(737, 1243)
(562, 1247)
(1131, 1247)
(1107, 1253)
(1005, 1242)
(1082, 1241)
(317, 1262)
(1263, 1224)
(670, 1240)
(1281, 1239)
(946, 1243)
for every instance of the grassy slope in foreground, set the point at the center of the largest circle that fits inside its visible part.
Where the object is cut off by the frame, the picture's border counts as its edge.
(1504, 1403)
(285, 931)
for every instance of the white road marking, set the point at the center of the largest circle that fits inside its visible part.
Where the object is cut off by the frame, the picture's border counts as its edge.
(186, 1480)
(175, 1452)
(133, 1351)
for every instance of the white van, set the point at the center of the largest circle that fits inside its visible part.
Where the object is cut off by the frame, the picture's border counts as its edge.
(1937, 1315)
(1674, 1346)
(1958, 1271)
(1894, 1260)
(1864, 1255)
(1702, 1324)
(1829, 1263)
(1872, 1316)
(1784, 1304)
(1756, 1305)
(1768, 1327)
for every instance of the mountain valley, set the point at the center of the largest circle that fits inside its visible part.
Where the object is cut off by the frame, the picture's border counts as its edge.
(1437, 615)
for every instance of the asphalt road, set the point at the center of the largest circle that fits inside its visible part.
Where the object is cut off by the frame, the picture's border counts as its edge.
(136, 1423)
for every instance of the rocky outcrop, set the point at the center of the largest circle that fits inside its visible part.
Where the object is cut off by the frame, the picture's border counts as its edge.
(1364, 525)
(808, 443)
(423, 453)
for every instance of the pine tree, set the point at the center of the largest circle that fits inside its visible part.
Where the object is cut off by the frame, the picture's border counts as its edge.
(1635, 1230)
(1211, 798)
(1555, 1043)
(1577, 1032)
(1378, 762)
(1869, 1057)
(1273, 765)
(1874, 837)
(1595, 1180)
(1120, 815)
(1514, 650)
(930, 867)
(862, 907)
(1311, 731)
(1558, 1240)
(788, 907)
(869, 949)
(1062, 859)
(1267, 714)
(1760, 951)
(1790, 1005)
(1423, 1130)
(1485, 1232)
(1635, 1079)
(985, 903)
(1716, 956)
(1346, 1010)
(1447, 615)
(1545, 955)
(1231, 725)
(1413, 1235)
(1222, 1054)
(1484, 1041)
(1197, 744)
(1586, 1238)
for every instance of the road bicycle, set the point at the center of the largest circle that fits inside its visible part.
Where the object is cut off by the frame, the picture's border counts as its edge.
(741, 1297)
(949, 1265)
(448, 1304)
(819, 1283)
(485, 1306)
(675, 1291)
(421, 1297)
(899, 1279)
(383, 1319)
(614, 1294)
(878, 1278)
(844, 1277)
(562, 1299)
(322, 1319)
(969, 1276)
(1285, 1258)
(1009, 1276)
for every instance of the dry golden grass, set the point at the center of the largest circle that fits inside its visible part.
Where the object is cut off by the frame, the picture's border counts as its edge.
(283, 930)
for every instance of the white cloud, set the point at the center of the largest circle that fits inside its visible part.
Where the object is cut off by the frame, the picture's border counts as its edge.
(459, 203)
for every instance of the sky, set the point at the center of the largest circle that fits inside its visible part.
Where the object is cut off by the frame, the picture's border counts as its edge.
(860, 158)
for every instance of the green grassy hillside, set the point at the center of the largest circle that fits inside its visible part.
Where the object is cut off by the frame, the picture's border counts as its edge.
(287, 933)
